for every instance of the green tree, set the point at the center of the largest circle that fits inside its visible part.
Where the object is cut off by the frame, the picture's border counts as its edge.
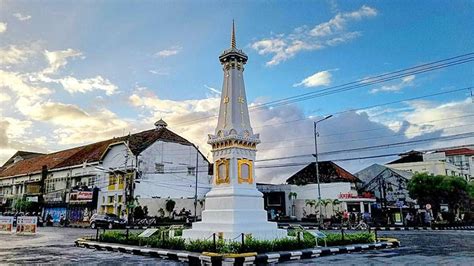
(335, 202)
(451, 190)
(311, 204)
(325, 203)
(170, 206)
(24, 206)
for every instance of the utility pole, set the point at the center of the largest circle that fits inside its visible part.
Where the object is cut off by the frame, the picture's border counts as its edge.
(316, 135)
(196, 185)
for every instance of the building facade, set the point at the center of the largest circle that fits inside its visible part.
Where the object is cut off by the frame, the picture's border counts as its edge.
(110, 176)
(453, 162)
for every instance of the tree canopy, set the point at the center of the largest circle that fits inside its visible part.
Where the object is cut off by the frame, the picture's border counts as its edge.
(438, 189)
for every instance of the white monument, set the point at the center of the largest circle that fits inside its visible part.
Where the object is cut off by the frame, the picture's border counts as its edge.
(234, 205)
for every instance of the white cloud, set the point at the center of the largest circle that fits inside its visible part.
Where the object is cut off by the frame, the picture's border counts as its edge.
(13, 54)
(58, 59)
(168, 52)
(21, 17)
(73, 85)
(322, 78)
(3, 27)
(404, 83)
(331, 33)
(4, 97)
(159, 72)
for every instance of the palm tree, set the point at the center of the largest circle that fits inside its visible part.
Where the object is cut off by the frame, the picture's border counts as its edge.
(325, 203)
(311, 204)
(335, 202)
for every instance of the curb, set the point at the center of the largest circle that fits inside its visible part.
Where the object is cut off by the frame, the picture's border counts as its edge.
(203, 259)
(411, 228)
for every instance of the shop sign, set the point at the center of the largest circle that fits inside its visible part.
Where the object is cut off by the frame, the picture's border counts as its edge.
(26, 224)
(32, 199)
(345, 195)
(54, 197)
(80, 196)
(6, 224)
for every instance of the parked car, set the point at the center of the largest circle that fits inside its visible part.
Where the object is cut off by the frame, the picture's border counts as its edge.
(106, 221)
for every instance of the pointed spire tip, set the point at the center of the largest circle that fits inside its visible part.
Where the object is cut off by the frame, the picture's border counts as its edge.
(232, 42)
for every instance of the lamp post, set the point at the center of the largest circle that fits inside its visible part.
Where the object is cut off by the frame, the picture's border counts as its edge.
(316, 135)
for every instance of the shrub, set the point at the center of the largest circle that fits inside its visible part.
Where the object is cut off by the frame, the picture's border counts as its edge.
(250, 245)
(354, 238)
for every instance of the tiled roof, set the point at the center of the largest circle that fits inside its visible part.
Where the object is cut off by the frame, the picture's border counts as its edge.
(90, 153)
(328, 172)
(460, 151)
(35, 164)
(22, 154)
(409, 157)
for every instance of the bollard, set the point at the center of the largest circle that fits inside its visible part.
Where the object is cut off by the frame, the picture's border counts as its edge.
(342, 233)
(299, 238)
(243, 241)
(214, 241)
(127, 233)
(375, 230)
(97, 235)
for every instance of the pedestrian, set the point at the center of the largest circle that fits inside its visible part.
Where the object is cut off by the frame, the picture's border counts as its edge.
(428, 218)
(408, 219)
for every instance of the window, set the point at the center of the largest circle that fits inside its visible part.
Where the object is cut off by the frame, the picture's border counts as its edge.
(222, 176)
(110, 199)
(121, 181)
(159, 168)
(120, 198)
(91, 182)
(245, 171)
(191, 170)
(112, 182)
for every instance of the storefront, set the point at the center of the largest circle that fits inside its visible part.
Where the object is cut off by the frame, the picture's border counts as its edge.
(81, 206)
(54, 205)
(356, 204)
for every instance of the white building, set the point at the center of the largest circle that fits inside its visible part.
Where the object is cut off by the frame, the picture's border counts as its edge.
(455, 162)
(150, 166)
(338, 192)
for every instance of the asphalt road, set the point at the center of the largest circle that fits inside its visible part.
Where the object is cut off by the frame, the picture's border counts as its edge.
(56, 246)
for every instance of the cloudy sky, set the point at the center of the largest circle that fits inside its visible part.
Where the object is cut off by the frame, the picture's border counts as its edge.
(75, 72)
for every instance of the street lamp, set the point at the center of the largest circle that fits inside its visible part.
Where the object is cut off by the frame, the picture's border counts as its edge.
(316, 135)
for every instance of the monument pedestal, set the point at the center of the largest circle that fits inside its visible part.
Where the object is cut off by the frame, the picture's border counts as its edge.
(231, 211)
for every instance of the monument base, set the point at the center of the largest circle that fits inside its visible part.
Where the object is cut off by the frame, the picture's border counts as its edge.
(232, 211)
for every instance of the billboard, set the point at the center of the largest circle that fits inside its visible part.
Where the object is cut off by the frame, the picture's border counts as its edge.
(6, 224)
(26, 224)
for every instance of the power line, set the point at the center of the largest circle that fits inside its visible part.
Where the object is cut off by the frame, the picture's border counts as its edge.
(444, 63)
(372, 106)
(362, 139)
(388, 145)
(356, 158)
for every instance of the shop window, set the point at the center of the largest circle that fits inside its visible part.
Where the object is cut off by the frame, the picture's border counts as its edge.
(244, 171)
(159, 168)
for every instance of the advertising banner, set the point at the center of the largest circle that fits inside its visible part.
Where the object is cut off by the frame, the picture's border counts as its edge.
(6, 224)
(26, 224)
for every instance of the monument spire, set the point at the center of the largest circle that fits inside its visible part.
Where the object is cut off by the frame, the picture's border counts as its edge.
(232, 40)
(234, 205)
